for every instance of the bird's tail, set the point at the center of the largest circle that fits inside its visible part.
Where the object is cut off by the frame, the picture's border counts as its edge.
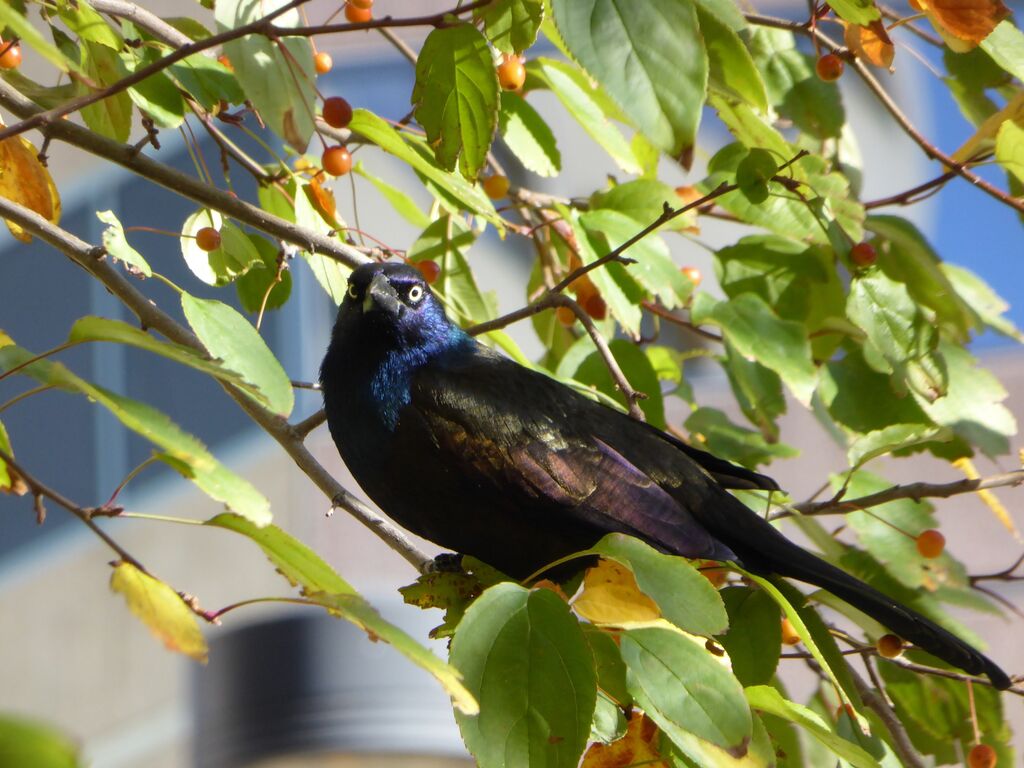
(775, 554)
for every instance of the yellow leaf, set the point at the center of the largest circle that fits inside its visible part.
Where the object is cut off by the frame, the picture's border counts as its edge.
(611, 596)
(5, 340)
(24, 180)
(984, 138)
(638, 746)
(870, 43)
(964, 23)
(161, 609)
(991, 501)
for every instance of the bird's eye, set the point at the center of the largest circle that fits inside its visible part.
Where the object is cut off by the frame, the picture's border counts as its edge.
(352, 292)
(415, 294)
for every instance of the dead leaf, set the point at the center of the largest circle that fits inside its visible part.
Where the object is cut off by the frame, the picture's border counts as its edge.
(611, 596)
(984, 139)
(990, 500)
(964, 23)
(161, 609)
(871, 43)
(322, 199)
(638, 746)
(24, 180)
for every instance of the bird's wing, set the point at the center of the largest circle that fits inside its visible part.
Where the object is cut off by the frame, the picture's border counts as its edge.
(505, 425)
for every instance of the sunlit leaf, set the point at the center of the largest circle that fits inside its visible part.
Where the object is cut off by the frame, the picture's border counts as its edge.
(26, 181)
(25, 742)
(512, 25)
(116, 244)
(611, 596)
(528, 136)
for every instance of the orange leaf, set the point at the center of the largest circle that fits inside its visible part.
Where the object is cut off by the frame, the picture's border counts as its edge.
(871, 43)
(24, 180)
(322, 199)
(611, 596)
(964, 23)
(639, 746)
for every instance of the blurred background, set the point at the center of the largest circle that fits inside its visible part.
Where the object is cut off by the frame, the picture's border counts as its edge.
(287, 688)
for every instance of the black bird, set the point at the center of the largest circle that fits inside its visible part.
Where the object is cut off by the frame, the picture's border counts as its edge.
(481, 455)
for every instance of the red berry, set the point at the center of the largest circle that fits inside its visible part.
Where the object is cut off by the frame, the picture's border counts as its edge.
(565, 316)
(930, 543)
(863, 255)
(337, 161)
(981, 756)
(496, 186)
(789, 635)
(511, 73)
(208, 239)
(889, 646)
(11, 56)
(595, 307)
(323, 63)
(693, 274)
(337, 112)
(429, 269)
(829, 67)
(357, 15)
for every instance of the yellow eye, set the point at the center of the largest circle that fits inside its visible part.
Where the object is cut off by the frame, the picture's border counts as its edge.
(415, 293)
(352, 291)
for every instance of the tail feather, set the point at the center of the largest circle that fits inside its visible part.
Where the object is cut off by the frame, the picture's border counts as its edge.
(763, 550)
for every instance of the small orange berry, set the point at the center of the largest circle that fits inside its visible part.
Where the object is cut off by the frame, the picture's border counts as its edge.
(889, 646)
(430, 270)
(981, 756)
(11, 56)
(930, 543)
(337, 112)
(511, 73)
(323, 63)
(362, 4)
(208, 239)
(693, 275)
(337, 161)
(789, 634)
(357, 15)
(829, 67)
(596, 307)
(565, 316)
(717, 576)
(225, 62)
(496, 186)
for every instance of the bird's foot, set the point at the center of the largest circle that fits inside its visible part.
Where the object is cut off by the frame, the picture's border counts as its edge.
(446, 562)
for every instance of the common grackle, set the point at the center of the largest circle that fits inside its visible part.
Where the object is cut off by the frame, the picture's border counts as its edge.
(479, 454)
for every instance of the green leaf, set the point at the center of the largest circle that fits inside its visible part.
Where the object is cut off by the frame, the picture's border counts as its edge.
(906, 257)
(683, 595)
(253, 286)
(716, 433)
(609, 723)
(757, 332)
(527, 136)
(861, 12)
(512, 25)
(182, 451)
(229, 336)
(161, 609)
(586, 365)
(299, 564)
(588, 106)
(686, 750)
(404, 205)
(862, 399)
(524, 657)
(455, 97)
(19, 26)
(758, 392)
(89, 25)
(117, 246)
(767, 699)
(1005, 44)
(355, 609)
(157, 95)
(25, 742)
(989, 306)
(684, 688)
(235, 256)
(899, 337)
(1010, 148)
(731, 68)
(654, 268)
(446, 242)
(9, 481)
(209, 81)
(111, 117)
(649, 56)
(754, 639)
(973, 405)
(468, 196)
(611, 672)
(794, 89)
(643, 200)
(276, 75)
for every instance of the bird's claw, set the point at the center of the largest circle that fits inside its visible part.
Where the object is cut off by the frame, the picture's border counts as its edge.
(446, 562)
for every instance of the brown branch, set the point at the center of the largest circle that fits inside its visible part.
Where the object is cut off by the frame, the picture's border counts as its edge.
(433, 20)
(930, 150)
(915, 491)
(91, 259)
(912, 195)
(660, 311)
(875, 700)
(144, 19)
(308, 424)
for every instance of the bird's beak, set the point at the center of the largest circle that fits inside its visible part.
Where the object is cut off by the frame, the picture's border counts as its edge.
(380, 295)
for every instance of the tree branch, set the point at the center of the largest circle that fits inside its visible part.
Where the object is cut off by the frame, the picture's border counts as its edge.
(875, 701)
(91, 258)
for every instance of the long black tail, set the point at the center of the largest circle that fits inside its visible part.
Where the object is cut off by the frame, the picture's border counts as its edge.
(763, 550)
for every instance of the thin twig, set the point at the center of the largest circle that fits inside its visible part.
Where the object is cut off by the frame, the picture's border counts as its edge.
(876, 702)
(308, 424)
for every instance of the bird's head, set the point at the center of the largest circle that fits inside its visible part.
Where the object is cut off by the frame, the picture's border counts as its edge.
(391, 307)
